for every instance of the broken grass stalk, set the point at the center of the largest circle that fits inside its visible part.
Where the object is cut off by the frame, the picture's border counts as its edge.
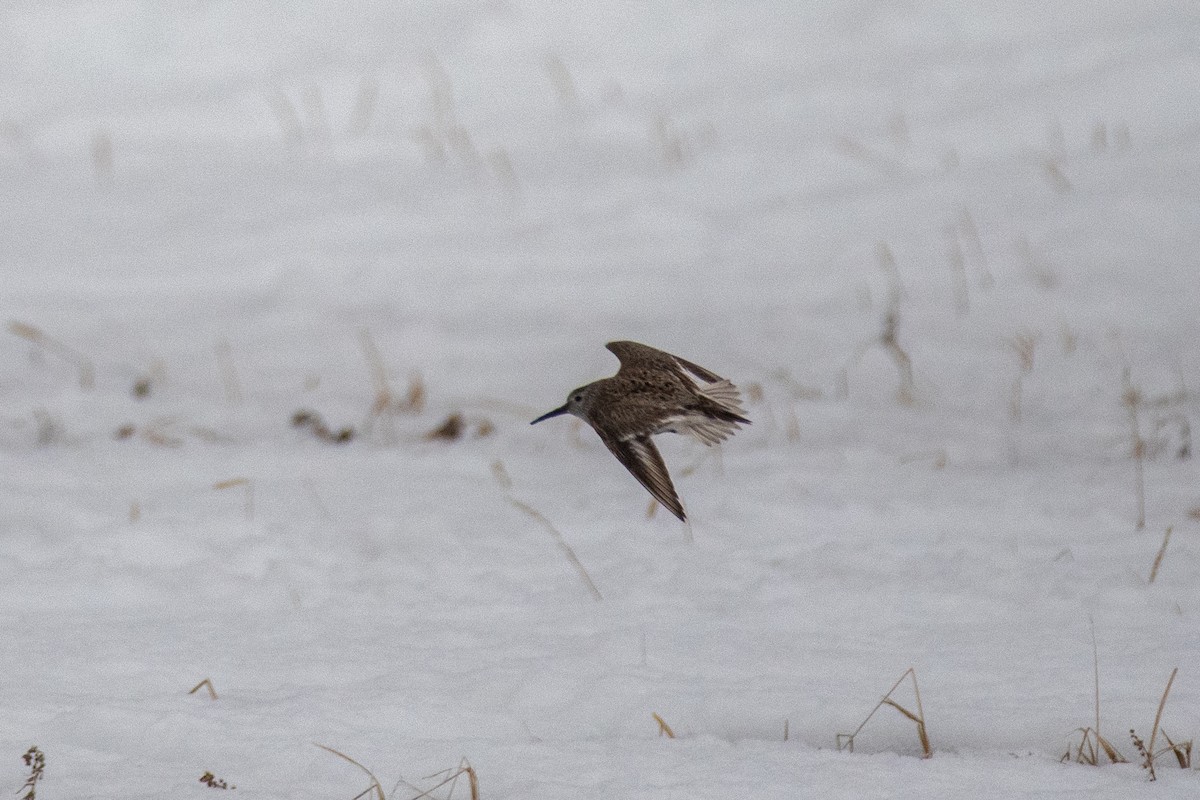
(847, 740)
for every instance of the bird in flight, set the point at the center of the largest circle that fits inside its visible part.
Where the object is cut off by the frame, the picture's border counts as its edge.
(655, 392)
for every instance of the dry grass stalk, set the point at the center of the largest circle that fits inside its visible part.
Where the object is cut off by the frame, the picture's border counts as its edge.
(1184, 426)
(936, 457)
(969, 232)
(1121, 136)
(449, 777)
(853, 148)
(665, 730)
(1162, 702)
(229, 375)
(885, 258)
(455, 426)
(958, 270)
(792, 430)
(315, 497)
(102, 157)
(376, 788)
(1162, 551)
(31, 333)
(1068, 340)
(1091, 745)
(463, 146)
(205, 684)
(1095, 673)
(248, 492)
(1102, 743)
(158, 433)
(501, 474)
(906, 394)
(50, 429)
(898, 130)
(1038, 270)
(562, 545)
(1055, 176)
(1132, 400)
(206, 434)
(304, 418)
(314, 111)
(286, 117)
(423, 135)
(502, 168)
(561, 80)
(671, 143)
(143, 385)
(846, 740)
(450, 430)
(1024, 347)
(1182, 751)
(17, 138)
(888, 338)
(364, 106)
(797, 390)
(386, 402)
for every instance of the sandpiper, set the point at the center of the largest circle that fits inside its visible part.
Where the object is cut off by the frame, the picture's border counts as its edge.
(654, 392)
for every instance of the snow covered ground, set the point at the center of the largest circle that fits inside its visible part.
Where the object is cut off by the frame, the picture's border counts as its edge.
(214, 215)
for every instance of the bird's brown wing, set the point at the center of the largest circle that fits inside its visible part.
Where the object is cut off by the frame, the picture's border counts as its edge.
(699, 371)
(639, 455)
(637, 355)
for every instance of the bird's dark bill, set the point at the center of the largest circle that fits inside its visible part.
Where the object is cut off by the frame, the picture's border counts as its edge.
(556, 412)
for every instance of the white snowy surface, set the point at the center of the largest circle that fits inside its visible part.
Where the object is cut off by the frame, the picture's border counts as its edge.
(521, 183)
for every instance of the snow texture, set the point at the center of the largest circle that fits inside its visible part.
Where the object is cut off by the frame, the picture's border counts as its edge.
(218, 214)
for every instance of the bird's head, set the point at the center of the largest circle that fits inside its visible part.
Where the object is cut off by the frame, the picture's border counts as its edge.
(579, 402)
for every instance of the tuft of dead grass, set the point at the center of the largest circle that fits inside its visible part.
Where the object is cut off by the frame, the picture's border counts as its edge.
(889, 336)
(375, 789)
(1091, 743)
(1092, 747)
(43, 340)
(315, 424)
(456, 426)
(386, 402)
(447, 779)
(846, 740)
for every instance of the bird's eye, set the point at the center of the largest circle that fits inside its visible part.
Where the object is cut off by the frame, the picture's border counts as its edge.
(578, 398)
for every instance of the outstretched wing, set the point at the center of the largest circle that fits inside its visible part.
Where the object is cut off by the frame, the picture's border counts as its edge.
(637, 355)
(724, 399)
(639, 455)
